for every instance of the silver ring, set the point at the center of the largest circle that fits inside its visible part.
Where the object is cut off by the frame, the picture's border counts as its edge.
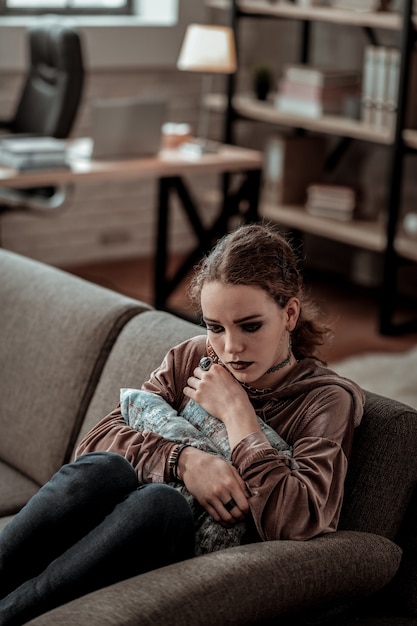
(230, 505)
(205, 363)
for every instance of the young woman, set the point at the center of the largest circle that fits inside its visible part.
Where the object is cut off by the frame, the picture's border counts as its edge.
(120, 509)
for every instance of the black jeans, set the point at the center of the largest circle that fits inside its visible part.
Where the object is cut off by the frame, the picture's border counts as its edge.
(90, 526)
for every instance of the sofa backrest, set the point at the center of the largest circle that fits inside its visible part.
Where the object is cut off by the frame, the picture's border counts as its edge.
(138, 350)
(382, 472)
(56, 333)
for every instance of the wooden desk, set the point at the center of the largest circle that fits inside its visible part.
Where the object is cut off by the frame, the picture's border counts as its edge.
(169, 167)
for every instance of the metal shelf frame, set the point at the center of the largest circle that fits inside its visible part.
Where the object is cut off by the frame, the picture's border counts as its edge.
(400, 143)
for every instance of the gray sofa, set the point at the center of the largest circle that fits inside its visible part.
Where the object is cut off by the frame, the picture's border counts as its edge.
(66, 348)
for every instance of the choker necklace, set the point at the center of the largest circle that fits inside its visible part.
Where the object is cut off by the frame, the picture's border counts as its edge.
(274, 368)
(283, 363)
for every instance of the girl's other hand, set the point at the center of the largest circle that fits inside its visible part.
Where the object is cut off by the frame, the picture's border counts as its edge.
(214, 483)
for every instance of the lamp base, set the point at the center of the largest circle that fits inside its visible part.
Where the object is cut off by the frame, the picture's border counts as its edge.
(198, 147)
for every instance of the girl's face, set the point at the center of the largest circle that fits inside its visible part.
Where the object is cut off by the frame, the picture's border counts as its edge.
(248, 331)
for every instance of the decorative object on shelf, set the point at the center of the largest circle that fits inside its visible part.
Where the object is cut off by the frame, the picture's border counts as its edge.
(334, 201)
(314, 92)
(410, 225)
(210, 50)
(291, 163)
(263, 80)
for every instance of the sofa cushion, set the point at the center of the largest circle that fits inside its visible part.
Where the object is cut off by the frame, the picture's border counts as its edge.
(15, 489)
(243, 585)
(57, 331)
(404, 585)
(139, 349)
(380, 492)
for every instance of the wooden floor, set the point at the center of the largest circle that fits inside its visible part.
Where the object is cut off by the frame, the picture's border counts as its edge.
(353, 311)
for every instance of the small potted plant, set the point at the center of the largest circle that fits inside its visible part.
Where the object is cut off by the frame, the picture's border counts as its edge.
(263, 79)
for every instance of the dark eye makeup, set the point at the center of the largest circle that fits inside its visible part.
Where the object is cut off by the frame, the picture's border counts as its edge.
(251, 327)
(214, 328)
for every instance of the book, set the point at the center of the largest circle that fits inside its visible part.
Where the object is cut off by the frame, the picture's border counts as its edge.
(368, 85)
(333, 201)
(363, 6)
(319, 211)
(392, 83)
(381, 70)
(316, 92)
(27, 152)
(320, 76)
(315, 100)
(308, 107)
(380, 86)
(310, 3)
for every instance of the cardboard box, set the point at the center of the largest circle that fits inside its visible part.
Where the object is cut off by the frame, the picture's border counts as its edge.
(291, 164)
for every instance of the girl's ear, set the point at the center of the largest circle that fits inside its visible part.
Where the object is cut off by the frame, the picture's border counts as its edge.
(293, 312)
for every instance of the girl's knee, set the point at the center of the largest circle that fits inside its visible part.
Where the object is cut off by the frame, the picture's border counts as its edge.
(106, 467)
(165, 502)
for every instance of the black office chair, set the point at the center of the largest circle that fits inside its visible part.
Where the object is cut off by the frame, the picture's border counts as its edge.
(48, 103)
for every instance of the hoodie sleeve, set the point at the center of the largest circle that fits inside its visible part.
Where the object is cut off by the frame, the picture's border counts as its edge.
(301, 497)
(148, 452)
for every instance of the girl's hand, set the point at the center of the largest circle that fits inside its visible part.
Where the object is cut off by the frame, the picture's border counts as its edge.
(217, 391)
(214, 483)
(220, 394)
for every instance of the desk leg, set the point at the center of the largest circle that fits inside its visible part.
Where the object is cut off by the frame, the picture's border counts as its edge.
(248, 192)
(164, 285)
(161, 248)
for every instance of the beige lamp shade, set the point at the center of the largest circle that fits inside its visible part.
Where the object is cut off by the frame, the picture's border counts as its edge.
(208, 49)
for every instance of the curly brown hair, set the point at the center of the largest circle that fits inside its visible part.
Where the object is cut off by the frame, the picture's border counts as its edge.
(259, 255)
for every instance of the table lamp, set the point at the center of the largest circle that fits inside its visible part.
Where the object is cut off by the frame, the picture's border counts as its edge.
(210, 50)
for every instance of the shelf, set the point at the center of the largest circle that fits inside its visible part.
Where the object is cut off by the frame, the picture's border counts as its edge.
(360, 233)
(250, 108)
(257, 8)
(406, 248)
(383, 236)
(366, 234)
(410, 138)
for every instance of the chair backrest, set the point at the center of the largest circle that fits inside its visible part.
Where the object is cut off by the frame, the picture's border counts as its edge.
(53, 87)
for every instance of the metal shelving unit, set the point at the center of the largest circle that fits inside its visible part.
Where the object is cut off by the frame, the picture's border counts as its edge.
(380, 236)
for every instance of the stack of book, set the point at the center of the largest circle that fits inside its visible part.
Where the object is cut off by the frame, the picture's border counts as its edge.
(28, 153)
(314, 92)
(335, 201)
(362, 5)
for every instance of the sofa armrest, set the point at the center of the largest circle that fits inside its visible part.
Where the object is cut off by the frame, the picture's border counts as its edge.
(242, 585)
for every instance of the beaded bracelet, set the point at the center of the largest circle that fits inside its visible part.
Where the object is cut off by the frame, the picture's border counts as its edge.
(173, 461)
